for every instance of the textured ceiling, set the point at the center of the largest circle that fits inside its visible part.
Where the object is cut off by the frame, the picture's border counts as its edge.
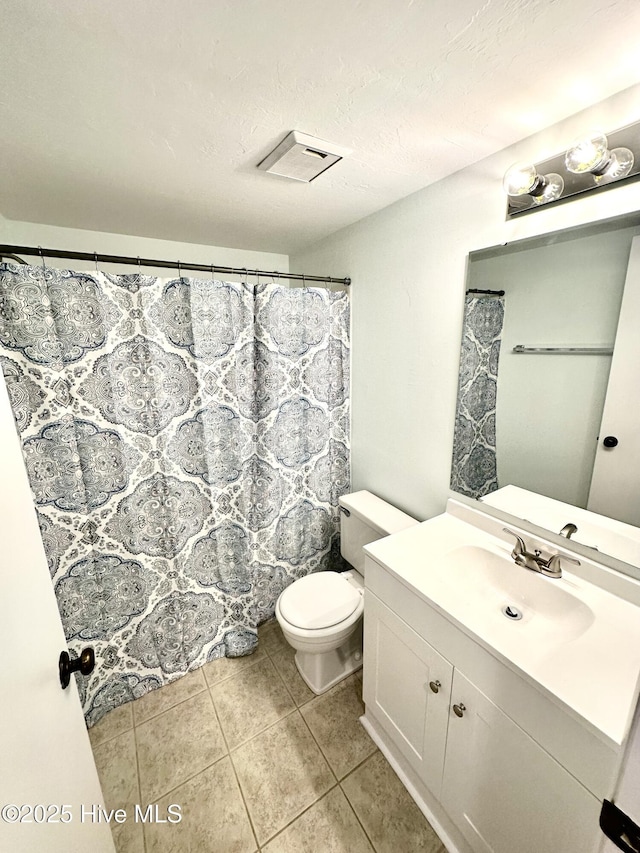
(149, 117)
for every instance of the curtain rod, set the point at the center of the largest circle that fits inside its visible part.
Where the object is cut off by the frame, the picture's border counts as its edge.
(488, 292)
(12, 251)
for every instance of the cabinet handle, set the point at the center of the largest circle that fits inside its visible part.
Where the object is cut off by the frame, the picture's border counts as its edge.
(435, 686)
(459, 710)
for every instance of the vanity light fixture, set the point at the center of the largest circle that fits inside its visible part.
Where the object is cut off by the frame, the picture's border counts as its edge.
(595, 161)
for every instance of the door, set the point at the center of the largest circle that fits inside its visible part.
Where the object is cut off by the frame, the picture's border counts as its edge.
(615, 485)
(406, 688)
(503, 791)
(47, 770)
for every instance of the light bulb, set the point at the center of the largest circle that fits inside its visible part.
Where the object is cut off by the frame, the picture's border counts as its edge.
(590, 155)
(619, 166)
(523, 179)
(520, 179)
(587, 153)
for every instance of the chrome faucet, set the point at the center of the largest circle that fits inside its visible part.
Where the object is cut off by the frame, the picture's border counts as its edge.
(568, 530)
(535, 562)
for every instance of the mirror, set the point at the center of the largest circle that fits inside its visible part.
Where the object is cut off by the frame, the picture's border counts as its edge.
(562, 292)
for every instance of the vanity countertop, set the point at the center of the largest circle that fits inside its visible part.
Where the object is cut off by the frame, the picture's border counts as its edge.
(577, 642)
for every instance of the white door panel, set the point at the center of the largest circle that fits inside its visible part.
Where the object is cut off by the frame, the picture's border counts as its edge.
(46, 755)
(615, 484)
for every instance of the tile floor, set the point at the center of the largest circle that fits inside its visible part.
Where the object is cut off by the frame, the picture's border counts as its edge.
(257, 763)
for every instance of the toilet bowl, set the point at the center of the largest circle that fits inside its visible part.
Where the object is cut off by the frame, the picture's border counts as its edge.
(321, 614)
(322, 619)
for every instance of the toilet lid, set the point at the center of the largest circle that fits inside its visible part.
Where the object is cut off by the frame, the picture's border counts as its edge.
(319, 600)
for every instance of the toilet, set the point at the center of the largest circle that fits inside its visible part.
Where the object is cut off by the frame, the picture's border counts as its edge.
(321, 613)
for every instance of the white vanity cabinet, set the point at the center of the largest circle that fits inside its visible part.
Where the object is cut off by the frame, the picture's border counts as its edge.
(408, 685)
(503, 791)
(493, 783)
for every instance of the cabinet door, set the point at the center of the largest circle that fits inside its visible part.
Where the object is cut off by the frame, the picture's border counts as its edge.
(399, 667)
(504, 792)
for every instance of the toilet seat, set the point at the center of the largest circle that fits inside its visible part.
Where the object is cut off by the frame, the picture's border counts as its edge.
(319, 601)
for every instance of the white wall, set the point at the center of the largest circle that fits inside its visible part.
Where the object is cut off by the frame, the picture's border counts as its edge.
(408, 265)
(73, 239)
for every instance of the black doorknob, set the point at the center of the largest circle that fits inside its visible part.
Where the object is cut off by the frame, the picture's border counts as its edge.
(84, 664)
(610, 441)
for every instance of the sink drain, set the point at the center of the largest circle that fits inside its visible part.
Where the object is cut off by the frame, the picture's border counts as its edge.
(512, 612)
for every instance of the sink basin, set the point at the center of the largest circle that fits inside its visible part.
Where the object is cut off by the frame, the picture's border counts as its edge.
(575, 640)
(489, 582)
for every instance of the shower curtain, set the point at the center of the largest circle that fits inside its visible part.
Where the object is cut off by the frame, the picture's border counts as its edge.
(474, 464)
(186, 442)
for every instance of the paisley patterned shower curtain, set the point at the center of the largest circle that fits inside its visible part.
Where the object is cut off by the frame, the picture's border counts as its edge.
(474, 469)
(186, 442)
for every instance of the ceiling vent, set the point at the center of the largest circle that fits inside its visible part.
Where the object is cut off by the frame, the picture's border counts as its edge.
(302, 157)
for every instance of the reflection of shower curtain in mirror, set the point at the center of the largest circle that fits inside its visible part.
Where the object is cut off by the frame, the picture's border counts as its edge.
(186, 443)
(474, 465)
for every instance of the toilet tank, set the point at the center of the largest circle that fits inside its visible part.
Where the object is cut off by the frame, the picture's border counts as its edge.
(367, 518)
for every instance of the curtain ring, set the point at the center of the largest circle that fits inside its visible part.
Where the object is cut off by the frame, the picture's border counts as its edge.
(257, 278)
(212, 278)
(139, 266)
(95, 260)
(44, 266)
(179, 271)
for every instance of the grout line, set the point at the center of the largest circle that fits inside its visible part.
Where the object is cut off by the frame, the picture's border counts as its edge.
(351, 806)
(304, 811)
(338, 782)
(315, 740)
(281, 677)
(235, 773)
(359, 765)
(135, 743)
(295, 702)
(341, 685)
(229, 752)
(262, 731)
(202, 769)
(270, 654)
(286, 714)
(295, 817)
(247, 668)
(278, 649)
(189, 779)
(111, 737)
(232, 674)
(366, 834)
(168, 708)
(206, 686)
